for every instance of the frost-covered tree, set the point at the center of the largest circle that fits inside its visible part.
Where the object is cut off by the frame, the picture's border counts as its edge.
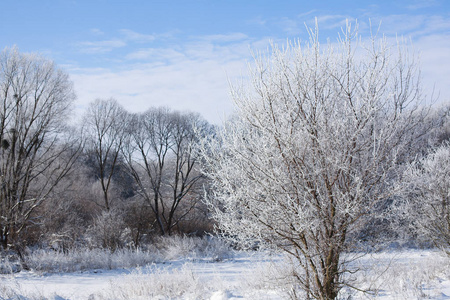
(427, 208)
(313, 149)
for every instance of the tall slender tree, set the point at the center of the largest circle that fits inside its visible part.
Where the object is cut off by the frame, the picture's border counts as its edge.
(104, 125)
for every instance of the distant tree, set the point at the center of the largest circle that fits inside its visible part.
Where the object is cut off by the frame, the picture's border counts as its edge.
(186, 182)
(37, 150)
(444, 130)
(426, 204)
(104, 125)
(162, 161)
(313, 150)
(146, 152)
(62, 220)
(139, 219)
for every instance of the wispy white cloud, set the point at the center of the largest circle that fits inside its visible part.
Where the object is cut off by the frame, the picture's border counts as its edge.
(156, 54)
(190, 85)
(137, 37)
(188, 76)
(434, 24)
(419, 4)
(96, 31)
(223, 38)
(297, 26)
(307, 13)
(332, 21)
(125, 37)
(101, 46)
(412, 25)
(435, 64)
(291, 26)
(259, 20)
(193, 73)
(223, 47)
(203, 50)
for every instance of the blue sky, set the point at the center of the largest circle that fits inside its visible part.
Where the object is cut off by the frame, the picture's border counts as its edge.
(181, 54)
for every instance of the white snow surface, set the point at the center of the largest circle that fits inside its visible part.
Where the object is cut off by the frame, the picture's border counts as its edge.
(412, 274)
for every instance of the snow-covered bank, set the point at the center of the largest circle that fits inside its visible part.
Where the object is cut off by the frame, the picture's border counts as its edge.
(394, 275)
(413, 274)
(184, 279)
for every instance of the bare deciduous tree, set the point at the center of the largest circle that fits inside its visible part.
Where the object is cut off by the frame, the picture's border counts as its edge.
(313, 149)
(162, 161)
(36, 152)
(184, 183)
(104, 125)
(146, 152)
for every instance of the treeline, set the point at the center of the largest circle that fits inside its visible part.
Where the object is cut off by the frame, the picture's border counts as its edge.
(117, 179)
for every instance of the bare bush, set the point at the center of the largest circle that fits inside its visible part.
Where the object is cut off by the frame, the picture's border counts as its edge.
(108, 231)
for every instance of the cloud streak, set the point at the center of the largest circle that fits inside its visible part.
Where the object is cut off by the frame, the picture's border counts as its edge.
(101, 46)
(125, 38)
(199, 86)
(193, 73)
(131, 35)
(190, 76)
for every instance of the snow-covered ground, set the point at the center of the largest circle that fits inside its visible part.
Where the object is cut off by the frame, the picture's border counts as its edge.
(394, 275)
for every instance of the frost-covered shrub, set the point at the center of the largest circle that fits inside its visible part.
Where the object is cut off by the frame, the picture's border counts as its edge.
(157, 284)
(89, 259)
(108, 231)
(176, 247)
(9, 262)
(7, 292)
(80, 259)
(400, 275)
(426, 206)
(16, 292)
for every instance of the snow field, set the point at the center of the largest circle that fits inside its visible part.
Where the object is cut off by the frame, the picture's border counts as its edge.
(414, 274)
